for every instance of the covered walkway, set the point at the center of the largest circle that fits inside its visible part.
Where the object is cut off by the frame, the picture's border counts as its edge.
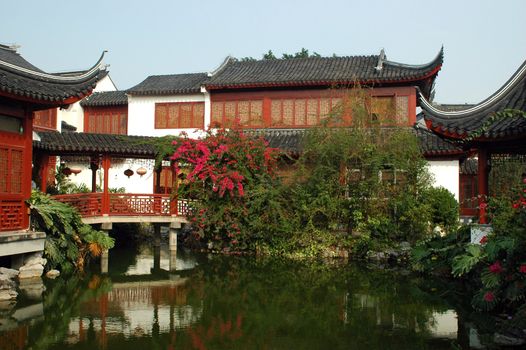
(102, 150)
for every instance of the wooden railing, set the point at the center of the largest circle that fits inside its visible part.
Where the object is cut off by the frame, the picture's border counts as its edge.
(88, 204)
(124, 204)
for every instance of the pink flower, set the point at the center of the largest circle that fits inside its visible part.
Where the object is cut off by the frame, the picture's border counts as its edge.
(240, 189)
(495, 267)
(489, 297)
(522, 268)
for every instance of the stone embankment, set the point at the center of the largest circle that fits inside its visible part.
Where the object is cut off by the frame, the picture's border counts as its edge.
(27, 278)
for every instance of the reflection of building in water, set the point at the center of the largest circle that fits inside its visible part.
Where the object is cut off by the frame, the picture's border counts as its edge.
(145, 261)
(14, 327)
(136, 309)
(385, 315)
(14, 339)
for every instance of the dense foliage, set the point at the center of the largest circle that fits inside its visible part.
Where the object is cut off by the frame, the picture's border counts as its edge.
(495, 267)
(69, 242)
(355, 183)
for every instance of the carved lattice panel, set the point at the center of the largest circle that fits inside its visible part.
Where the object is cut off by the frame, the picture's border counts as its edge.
(4, 154)
(12, 215)
(402, 110)
(17, 165)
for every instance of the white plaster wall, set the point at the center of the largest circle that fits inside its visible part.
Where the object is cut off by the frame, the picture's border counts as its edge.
(141, 113)
(133, 184)
(105, 84)
(445, 174)
(74, 114)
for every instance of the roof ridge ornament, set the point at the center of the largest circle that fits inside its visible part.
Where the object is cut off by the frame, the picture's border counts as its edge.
(226, 61)
(381, 59)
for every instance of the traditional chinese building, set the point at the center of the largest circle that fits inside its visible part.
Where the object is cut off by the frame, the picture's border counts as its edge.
(24, 90)
(301, 92)
(489, 129)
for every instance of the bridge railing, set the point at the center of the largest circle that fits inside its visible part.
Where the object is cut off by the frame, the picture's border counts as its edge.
(88, 204)
(125, 204)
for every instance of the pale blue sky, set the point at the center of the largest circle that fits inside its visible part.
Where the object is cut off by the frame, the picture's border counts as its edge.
(484, 40)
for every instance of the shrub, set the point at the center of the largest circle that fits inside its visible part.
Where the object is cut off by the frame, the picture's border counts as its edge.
(443, 207)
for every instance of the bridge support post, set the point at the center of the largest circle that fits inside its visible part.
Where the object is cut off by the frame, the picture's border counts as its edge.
(104, 261)
(172, 238)
(104, 257)
(172, 243)
(156, 235)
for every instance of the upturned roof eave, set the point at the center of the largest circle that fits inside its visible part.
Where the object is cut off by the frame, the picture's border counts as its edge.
(61, 78)
(434, 113)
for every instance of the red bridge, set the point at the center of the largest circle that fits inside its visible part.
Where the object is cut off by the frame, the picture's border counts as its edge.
(102, 207)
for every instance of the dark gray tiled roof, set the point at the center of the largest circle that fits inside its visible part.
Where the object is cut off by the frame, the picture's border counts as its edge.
(464, 122)
(20, 79)
(105, 98)
(85, 143)
(66, 127)
(451, 107)
(290, 140)
(170, 84)
(469, 167)
(432, 144)
(287, 140)
(320, 71)
(8, 54)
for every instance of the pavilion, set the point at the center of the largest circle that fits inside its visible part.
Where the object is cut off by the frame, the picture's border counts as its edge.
(495, 127)
(25, 89)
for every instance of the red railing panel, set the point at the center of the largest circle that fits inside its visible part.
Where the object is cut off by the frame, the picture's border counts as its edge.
(88, 204)
(139, 204)
(125, 204)
(12, 215)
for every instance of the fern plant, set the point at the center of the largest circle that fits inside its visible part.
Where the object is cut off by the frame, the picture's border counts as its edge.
(69, 242)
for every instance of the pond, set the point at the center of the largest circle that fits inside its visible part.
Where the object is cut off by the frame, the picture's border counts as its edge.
(151, 299)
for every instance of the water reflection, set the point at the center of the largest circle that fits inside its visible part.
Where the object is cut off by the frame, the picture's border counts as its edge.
(148, 259)
(217, 302)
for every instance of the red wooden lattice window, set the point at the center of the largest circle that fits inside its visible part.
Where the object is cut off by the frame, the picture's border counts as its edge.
(301, 112)
(180, 115)
(11, 165)
(106, 121)
(46, 119)
(249, 113)
(12, 209)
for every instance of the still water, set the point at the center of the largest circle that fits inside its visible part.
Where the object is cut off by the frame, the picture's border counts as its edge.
(157, 300)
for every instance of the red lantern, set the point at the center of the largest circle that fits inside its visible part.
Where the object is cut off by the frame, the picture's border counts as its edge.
(128, 172)
(76, 171)
(66, 171)
(141, 171)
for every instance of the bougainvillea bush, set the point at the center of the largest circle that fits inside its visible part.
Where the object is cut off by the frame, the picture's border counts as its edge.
(231, 177)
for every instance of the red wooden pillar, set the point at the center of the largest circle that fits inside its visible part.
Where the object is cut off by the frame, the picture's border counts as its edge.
(27, 164)
(44, 172)
(483, 172)
(158, 179)
(267, 107)
(106, 163)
